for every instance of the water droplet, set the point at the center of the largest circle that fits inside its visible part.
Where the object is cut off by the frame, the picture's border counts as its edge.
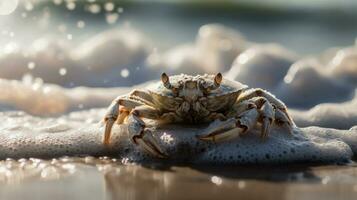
(31, 65)
(216, 180)
(120, 10)
(46, 90)
(81, 24)
(28, 6)
(94, 8)
(109, 6)
(325, 180)
(112, 18)
(241, 184)
(10, 48)
(57, 2)
(124, 73)
(37, 84)
(62, 71)
(71, 5)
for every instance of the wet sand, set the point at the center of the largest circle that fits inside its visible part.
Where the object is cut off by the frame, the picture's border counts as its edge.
(108, 178)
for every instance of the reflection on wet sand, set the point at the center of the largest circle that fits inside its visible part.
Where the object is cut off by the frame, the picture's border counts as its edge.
(184, 183)
(108, 178)
(247, 182)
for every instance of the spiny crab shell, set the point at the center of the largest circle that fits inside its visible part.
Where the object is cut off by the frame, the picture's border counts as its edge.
(225, 95)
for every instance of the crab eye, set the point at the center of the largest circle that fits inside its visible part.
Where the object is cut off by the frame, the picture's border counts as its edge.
(218, 79)
(166, 81)
(216, 82)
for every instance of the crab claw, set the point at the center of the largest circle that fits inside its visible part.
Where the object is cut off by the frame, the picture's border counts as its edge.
(109, 120)
(108, 129)
(149, 144)
(220, 131)
(222, 136)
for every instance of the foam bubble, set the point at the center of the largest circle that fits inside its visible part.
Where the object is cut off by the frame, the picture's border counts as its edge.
(343, 65)
(331, 115)
(300, 83)
(307, 79)
(86, 64)
(262, 66)
(47, 99)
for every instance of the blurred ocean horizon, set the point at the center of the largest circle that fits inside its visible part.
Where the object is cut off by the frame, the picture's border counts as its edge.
(306, 27)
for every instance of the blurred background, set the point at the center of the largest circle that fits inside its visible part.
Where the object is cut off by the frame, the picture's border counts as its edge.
(299, 50)
(305, 26)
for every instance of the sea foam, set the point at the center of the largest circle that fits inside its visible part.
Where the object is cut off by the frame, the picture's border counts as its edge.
(79, 133)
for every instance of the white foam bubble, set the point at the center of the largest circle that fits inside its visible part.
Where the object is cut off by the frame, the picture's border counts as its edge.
(309, 84)
(331, 115)
(61, 62)
(262, 66)
(49, 99)
(300, 83)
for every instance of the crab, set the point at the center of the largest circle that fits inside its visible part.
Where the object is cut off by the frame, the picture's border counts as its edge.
(197, 99)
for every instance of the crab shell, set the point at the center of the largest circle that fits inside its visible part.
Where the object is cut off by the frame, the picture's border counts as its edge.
(219, 99)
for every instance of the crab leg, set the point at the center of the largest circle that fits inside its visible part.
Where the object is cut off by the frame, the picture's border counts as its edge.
(218, 130)
(266, 116)
(282, 119)
(257, 92)
(278, 105)
(144, 96)
(117, 111)
(109, 120)
(231, 128)
(169, 118)
(142, 136)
